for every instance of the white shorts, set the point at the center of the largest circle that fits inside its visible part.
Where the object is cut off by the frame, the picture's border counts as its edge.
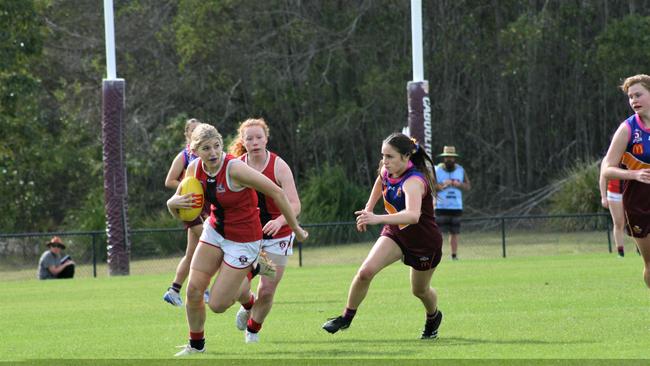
(236, 255)
(615, 197)
(279, 246)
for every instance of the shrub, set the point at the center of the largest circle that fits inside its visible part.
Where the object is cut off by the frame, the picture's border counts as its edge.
(579, 194)
(329, 195)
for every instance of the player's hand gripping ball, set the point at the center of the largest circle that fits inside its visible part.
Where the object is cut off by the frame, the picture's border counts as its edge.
(193, 186)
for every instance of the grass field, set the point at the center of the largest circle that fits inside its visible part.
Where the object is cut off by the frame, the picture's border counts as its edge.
(588, 306)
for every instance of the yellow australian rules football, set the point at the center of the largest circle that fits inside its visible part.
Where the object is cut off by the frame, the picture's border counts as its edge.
(193, 186)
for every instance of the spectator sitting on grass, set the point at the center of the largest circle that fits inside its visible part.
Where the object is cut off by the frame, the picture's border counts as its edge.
(52, 264)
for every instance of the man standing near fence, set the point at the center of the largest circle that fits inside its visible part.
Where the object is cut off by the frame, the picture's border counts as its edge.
(452, 181)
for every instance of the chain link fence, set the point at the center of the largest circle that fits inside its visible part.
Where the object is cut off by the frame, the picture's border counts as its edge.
(159, 250)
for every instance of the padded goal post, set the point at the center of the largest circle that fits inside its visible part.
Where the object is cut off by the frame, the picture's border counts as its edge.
(419, 114)
(419, 104)
(115, 187)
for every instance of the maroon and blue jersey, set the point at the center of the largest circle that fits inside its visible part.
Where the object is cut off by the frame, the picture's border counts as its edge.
(635, 194)
(637, 153)
(420, 243)
(392, 190)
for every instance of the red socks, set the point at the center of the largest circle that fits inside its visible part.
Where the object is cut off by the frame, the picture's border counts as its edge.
(252, 326)
(197, 335)
(250, 303)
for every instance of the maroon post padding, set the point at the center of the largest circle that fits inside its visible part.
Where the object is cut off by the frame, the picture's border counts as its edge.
(115, 188)
(420, 114)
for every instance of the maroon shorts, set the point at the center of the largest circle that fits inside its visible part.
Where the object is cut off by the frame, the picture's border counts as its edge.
(197, 221)
(637, 208)
(420, 259)
(637, 226)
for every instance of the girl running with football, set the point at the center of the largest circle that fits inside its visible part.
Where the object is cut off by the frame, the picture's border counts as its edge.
(232, 237)
(407, 182)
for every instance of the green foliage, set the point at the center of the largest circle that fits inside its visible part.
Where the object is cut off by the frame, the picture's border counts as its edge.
(23, 128)
(147, 198)
(622, 49)
(329, 77)
(157, 244)
(520, 35)
(90, 214)
(20, 38)
(330, 195)
(579, 193)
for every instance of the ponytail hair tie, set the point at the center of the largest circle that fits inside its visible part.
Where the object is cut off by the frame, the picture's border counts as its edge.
(415, 144)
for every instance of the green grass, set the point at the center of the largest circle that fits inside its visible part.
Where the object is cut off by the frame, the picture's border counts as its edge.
(589, 306)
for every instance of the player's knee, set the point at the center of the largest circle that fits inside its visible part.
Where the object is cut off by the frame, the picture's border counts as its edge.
(219, 306)
(366, 273)
(421, 293)
(194, 294)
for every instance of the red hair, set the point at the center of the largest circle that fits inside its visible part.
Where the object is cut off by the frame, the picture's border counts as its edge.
(237, 146)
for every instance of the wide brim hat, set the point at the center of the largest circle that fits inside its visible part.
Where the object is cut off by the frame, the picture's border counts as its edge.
(449, 151)
(55, 241)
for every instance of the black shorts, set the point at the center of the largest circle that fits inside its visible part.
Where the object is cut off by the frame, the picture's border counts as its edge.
(449, 220)
(68, 272)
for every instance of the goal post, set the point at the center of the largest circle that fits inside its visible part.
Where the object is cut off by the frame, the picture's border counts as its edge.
(114, 156)
(419, 104)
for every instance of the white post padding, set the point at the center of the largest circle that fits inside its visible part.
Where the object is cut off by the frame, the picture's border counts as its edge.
(416, 40)
(109, 30)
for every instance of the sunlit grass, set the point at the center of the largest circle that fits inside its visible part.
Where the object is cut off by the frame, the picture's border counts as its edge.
(562, 306)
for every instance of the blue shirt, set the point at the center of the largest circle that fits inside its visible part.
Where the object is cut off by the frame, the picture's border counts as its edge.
(450, 198)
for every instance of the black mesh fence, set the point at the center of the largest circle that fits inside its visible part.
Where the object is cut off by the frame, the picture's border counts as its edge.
(484, 237)
(159, 250)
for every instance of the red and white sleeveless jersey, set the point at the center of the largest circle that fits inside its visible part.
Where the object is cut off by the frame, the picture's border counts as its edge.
(233, 213)
(268, 209)
(615, 186)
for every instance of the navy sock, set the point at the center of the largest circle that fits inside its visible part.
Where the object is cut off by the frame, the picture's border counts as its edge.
(431, 316)
(349, 314)
(176, 287)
